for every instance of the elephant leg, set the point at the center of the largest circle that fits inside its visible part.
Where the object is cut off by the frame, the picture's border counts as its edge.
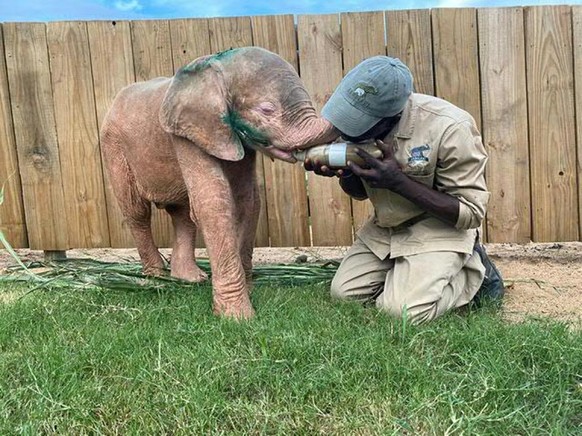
(247, 231)
(248, 205)
(214, 210)
(135, 209)
(140, 227)
(183, 260)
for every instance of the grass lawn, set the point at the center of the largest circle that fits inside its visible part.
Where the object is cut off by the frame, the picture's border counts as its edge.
(147, 361)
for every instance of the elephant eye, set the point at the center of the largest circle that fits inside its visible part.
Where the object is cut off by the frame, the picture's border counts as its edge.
(267, 108)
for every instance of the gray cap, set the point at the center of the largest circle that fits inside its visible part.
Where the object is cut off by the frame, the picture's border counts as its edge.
(376, 88)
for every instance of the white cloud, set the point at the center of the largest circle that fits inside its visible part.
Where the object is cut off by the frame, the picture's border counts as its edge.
(454, 3)
(132, 5)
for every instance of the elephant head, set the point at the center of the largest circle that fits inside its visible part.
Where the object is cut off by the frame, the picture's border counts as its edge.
(244, 98)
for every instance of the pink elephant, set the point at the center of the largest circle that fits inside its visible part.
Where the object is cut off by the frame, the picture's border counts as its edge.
(188, 144)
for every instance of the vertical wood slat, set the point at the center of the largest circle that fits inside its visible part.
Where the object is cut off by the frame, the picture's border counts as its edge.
(505, 127)
(152, 56)
(456, 58)
(112, 67)
(235, 32)
(409, 38)
(362, 37)
(286, 193)
(552, 133)
(76, 123)
(190, 40)
(36, 138)
(12, 219)
(577, 42)
(320, 46)
(230, 32)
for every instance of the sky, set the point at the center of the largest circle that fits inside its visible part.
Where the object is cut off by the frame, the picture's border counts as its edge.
(56, 10)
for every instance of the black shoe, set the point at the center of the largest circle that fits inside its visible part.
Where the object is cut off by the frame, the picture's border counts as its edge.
(492, 287)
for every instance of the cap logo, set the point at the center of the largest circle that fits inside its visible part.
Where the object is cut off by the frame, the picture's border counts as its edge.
(362, 89)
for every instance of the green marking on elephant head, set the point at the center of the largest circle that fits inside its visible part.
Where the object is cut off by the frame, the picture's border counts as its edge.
(201, 64)
(225, 54)
(248, 135)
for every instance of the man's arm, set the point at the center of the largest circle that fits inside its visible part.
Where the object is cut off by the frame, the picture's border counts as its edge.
(439, 204)
(386, 174)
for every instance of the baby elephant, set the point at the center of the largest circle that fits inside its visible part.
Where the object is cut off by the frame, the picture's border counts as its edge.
(188, 144)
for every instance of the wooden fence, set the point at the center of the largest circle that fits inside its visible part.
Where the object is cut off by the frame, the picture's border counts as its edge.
(513, 69)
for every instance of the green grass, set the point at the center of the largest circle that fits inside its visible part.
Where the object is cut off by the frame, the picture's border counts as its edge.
(151, 361)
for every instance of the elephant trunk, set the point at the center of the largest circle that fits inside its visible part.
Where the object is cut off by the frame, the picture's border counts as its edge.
(313, 131)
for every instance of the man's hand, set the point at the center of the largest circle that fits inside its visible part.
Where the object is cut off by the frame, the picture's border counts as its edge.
(351, 185)
(385, 173)
(382, 173)
(323, 170)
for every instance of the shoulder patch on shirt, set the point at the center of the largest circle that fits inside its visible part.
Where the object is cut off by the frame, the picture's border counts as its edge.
(417, 155)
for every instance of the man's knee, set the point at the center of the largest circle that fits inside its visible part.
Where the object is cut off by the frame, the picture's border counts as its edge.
(413, 312)
(349, 288)
(339, 288)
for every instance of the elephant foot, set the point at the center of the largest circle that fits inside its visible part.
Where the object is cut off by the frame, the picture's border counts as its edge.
(239, 310)
(193, 274)
(154, 271)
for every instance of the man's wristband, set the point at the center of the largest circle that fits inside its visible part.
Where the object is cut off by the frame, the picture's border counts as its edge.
(346, 174)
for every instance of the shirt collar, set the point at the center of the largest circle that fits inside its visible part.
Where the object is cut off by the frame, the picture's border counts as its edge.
(408, 119)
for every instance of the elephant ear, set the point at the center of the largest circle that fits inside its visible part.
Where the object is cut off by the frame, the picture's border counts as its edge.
(195, 107)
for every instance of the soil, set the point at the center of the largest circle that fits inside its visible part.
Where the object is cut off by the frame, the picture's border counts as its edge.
(542, 280)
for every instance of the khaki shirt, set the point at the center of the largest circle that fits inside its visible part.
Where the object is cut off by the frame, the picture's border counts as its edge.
(438, 145)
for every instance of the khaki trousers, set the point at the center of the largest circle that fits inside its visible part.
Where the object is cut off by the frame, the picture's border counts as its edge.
(424, 285)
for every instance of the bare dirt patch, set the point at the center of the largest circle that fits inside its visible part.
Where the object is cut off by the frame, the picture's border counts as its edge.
(543, 280)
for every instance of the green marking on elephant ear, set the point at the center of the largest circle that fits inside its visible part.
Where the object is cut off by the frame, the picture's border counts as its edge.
(201, 64)
(247, 134)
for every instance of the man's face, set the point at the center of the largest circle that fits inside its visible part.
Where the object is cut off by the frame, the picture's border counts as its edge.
(378, 131)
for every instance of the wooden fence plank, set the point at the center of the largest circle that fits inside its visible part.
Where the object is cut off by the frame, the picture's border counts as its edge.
(228, 33)
(77, 130)
(577, 41)
(552, 132)
(36, 138)
(152, 55)
(505, 127)
(409, 38)
(286, 193)
(320, 46)
(362, 37)
(112, 67)
(190, 40)
(12, 219)
(456, 61)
